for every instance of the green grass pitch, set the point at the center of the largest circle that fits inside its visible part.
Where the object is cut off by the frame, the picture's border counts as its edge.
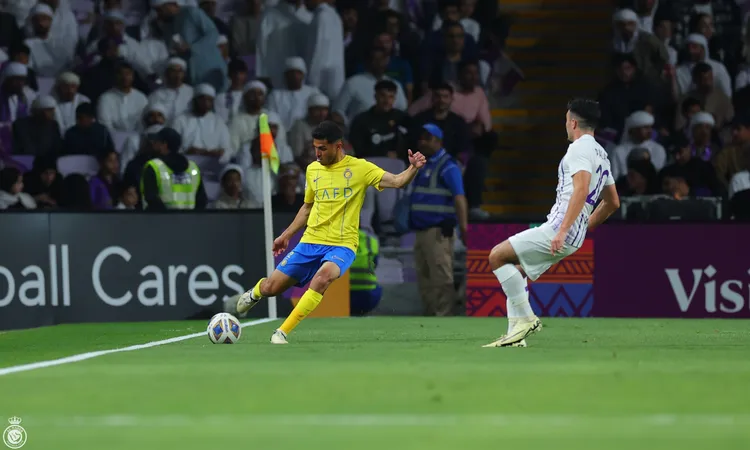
(386, 383)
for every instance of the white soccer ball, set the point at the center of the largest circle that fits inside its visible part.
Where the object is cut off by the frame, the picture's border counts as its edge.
(224, 328)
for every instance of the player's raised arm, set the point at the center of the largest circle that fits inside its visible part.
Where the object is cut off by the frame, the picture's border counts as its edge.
(389, 180)
(609, 204)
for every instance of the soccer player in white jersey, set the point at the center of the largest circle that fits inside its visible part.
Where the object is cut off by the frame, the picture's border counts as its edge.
(584, 175)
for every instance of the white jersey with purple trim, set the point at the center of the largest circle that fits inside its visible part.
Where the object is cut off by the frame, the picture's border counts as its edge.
(583, 154)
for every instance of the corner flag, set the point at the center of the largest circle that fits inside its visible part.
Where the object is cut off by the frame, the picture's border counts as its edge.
(267, 146)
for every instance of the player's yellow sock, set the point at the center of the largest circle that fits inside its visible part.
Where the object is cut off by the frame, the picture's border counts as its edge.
(256, 290)
(307, 304)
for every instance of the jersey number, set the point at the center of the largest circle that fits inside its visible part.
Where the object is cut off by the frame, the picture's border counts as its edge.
(594, 195)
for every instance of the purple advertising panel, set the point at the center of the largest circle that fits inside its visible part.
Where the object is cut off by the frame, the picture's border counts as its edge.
(673, 270)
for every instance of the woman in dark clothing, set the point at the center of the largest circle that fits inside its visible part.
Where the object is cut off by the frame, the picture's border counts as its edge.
(12, 196)
(43, 182)
(76, 193)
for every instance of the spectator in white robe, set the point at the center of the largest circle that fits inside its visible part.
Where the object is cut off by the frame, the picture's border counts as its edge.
(299, 136)
(638, 133)
(697, 47)
(15, 96)
(20, 10)
(324, 52)
(291, 103)
(228, 103)
(154, 115)
(48, 56)
(67, 97)
(281, 34)
(249, 158)
(120, 108)
(243, 127)
(203, 131)
(223, 44)
(174, 94)
(130, 49)
(358, 93)
(64, 29)
(244, 28)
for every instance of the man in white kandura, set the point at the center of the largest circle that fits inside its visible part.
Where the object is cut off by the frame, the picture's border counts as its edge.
(584, 174)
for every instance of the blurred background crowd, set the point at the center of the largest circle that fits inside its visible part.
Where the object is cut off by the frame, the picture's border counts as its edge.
(86, 88)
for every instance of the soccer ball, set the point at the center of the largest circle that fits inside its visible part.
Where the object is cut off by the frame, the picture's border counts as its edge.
(224, 328)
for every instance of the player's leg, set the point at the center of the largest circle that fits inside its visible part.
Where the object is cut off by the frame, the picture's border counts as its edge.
(272, 286)
(510, 270)
(297, 266)
(336, 261)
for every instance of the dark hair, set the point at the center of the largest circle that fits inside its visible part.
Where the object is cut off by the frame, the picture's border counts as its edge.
(441, 86)
(104, 154)
(586, 111)
(18, 48)
(700, 69)
(237, 65)
(387, 85)
(679, 141)
(466, 63)
(447, 4)
(86, 109)
(451, 23)
(689, 103)
(122, 64)
(620, 58)
(76, 193)
(8, 177)
(695, 20)
(375, 49)
(328, 131)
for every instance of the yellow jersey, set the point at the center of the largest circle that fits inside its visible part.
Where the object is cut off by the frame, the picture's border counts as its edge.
(337, 192)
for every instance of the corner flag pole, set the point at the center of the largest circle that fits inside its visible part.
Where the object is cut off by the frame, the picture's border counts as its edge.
(269, 162)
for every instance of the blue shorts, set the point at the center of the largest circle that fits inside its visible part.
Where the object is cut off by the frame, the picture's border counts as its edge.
(305, 259)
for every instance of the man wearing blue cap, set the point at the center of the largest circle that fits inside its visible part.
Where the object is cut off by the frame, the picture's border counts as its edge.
(438, 204)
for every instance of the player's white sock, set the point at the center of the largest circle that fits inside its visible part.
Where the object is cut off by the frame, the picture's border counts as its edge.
(516, 290)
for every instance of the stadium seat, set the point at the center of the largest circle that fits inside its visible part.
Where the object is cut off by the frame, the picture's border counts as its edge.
(45, 85)
(213, 189)
(209, 165)
(82, 164)
(119, 138)
(386, 200)
(740, 204)
(663, 209)
(24, 162)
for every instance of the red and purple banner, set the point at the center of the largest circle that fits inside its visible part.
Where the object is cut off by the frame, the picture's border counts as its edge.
(676, 270)
(627, 270)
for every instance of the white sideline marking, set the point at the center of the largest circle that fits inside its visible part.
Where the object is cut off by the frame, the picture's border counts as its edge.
(90, 355)
(397, 420)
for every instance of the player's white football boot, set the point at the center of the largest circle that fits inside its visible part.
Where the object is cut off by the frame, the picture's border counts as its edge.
(521, 343)
(278, 337)
(246, 303)
(520, 329)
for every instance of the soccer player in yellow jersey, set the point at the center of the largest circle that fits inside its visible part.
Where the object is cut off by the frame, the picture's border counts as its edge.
(335, 187)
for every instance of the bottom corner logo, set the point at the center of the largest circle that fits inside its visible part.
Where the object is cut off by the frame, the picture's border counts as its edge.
(15, 435)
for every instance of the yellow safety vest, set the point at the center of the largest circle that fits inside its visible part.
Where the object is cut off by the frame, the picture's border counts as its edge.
(362, 272)
(177, 191)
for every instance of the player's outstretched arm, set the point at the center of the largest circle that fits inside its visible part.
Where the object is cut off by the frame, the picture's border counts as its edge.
(609, 204)
(389, 180)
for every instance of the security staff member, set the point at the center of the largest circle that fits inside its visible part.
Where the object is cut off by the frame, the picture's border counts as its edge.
(437, 205)
(170, 180)
(365, 292)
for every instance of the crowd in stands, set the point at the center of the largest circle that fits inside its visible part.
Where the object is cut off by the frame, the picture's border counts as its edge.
(676, 115)
(86, 85)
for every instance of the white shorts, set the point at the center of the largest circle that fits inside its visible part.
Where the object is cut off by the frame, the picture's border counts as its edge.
(533, 249)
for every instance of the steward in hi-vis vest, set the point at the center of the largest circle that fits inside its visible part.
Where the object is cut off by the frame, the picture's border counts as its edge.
(170, 181)
(365, 292)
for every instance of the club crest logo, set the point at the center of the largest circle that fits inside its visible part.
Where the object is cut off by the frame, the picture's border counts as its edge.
(348, 173)
(14, 436)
